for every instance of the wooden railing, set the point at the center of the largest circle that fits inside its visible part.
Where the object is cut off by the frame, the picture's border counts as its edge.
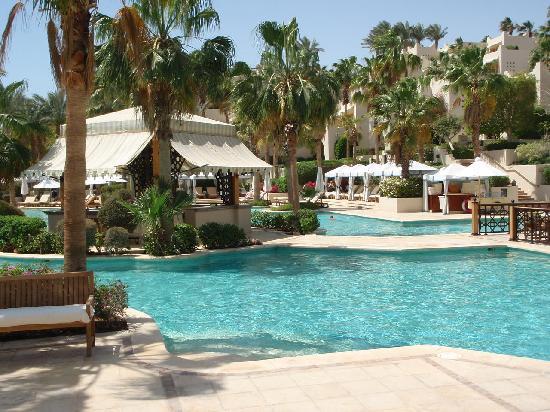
(489, 218)
(532, 222)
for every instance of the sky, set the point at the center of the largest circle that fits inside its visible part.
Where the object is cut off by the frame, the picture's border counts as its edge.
(338, 26)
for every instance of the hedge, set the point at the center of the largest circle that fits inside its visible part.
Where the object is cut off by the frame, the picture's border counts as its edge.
(499, 181)
(398, 187)
(114, 213)
(184, 238)
(463, 152)
(116, 240)
(220, 236)
(546, 176)
(91, 231)
(534, 153)
(307, 170)
(305, 221)
(18, 231)
(501, 144)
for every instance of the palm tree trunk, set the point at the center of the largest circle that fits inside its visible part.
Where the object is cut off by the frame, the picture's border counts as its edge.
(319, 152)
(11, 189)
(257, 186)
(421, 152)
(275, 157)
(293, 195)
(74, 214)
(476, 125)
(405, 166)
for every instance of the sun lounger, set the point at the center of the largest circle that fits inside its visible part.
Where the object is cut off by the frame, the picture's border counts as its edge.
(358, 192)
(29, 201)
(199, 193)
(44, 199)
(211, 192)
(374, 196)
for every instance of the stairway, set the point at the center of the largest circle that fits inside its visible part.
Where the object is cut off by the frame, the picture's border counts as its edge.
(524, 197)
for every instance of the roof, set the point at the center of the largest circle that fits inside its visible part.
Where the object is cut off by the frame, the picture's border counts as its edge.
(212, 153)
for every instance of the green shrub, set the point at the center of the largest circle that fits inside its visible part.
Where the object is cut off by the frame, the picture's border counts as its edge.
(18, 231)
(114, 213)
(398, 187)
(115, 191)
(306, 221)
(43, 243)
(116, 240)
(534, 153)
(307, 171)
(260, 203)
(185, 238)
(340, 148)
(111, 301)
(219, 236)
(8, 210)
(156, 242)
(8, 269)
(499, 181)
(91, 231)
(501, 144)
(463, 152)
(281, 184)
(546, 176)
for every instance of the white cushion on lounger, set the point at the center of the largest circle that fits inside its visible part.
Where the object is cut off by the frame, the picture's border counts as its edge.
(43, 315)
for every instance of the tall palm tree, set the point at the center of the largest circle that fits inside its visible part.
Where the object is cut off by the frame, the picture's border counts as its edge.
(14, 159)
(541, 53)
(526, 27)
(435, 32)
(145, 55)
(381, 28)
(418, 33)
(507, 25)
(404, 116)
(404, 31)
(72, 60)
(466, 74)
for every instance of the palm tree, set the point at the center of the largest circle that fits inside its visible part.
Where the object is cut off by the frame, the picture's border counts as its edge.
(72, 60)
(14, 159)
(404, 31)
(526, 27)
(348, 123)
(144, 56)
(345, 72)
(541, 53)
(404, 116)
(466, 74)
(507, 25)
(381, 28)
(51, 109)
(418, 33)
(435, 32)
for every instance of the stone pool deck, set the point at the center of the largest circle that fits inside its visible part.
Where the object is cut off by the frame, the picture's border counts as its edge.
(132, 371)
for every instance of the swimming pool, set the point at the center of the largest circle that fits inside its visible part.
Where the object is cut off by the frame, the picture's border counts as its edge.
(288, 301)
(37, 212)
(337, 224)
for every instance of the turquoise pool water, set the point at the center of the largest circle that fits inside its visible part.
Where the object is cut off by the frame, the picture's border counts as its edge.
(337, 224)
(287, 301)
(37, 212)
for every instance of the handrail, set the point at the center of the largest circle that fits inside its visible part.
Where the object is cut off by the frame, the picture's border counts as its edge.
(507, 170)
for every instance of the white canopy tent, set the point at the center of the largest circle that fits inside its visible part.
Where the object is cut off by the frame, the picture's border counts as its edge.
(452, 172)
(114, 140)
(336, 174)
(47, 183)
(480, 169)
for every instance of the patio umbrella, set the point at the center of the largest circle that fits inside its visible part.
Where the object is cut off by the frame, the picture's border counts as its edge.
(47, 184)
(319, 182)
(24, 186)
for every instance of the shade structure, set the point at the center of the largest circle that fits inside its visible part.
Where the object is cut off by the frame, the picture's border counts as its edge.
(452, 172)
(95, 180)
(319, 181)
(115, 139)
(339, 171)
(480, 169)
(115, 179)
(47, 184)
(416, 168)
(358, 170)
(213, 153)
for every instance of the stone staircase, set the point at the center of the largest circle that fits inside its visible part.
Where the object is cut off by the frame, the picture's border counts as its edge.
(524, 197)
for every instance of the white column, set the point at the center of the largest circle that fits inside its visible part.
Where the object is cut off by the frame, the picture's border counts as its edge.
(425, 192)
(446, 193)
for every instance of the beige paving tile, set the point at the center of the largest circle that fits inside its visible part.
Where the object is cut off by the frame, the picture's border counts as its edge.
(528, 402)
(344, 404)
(307, 406)
(381, 401)
(241, 400)
(436, 379)
(482, 405)
(399, 383)
(364, 387)
(502, 387)
(325, 391)
(383, 370)
(311, 377)
(420, 397)
(285, 395)
(235, 385)
(457, 393)
(200, 403)
(535, 383)
(416, 366)
(346, 374)
(273, 381)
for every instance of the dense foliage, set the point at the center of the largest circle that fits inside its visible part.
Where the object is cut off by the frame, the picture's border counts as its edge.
(340, 148)
(463, 152)
(8, 210)
(116, 240)
(114, 213)
(534, 153)
(546, 176)
(279, 185)
(18, 231)
(9, 269)
(398, 187)
(221, 236)
(115, 191)
(43, 243)
(305, 221)
(111, 301)
(499, 181)
(184, 238)
(501, 144)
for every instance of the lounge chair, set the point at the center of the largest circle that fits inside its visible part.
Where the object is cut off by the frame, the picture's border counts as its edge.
(374, 196)
(199, 194)
(44, 199)
(211, 192)
(318, 199)
(358, 192)
(29, 201)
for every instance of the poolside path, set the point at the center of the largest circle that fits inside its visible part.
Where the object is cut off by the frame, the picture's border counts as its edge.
(131, 371)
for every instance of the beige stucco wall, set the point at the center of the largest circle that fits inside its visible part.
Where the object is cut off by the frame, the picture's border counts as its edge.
(401, 205)
(235, 215)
